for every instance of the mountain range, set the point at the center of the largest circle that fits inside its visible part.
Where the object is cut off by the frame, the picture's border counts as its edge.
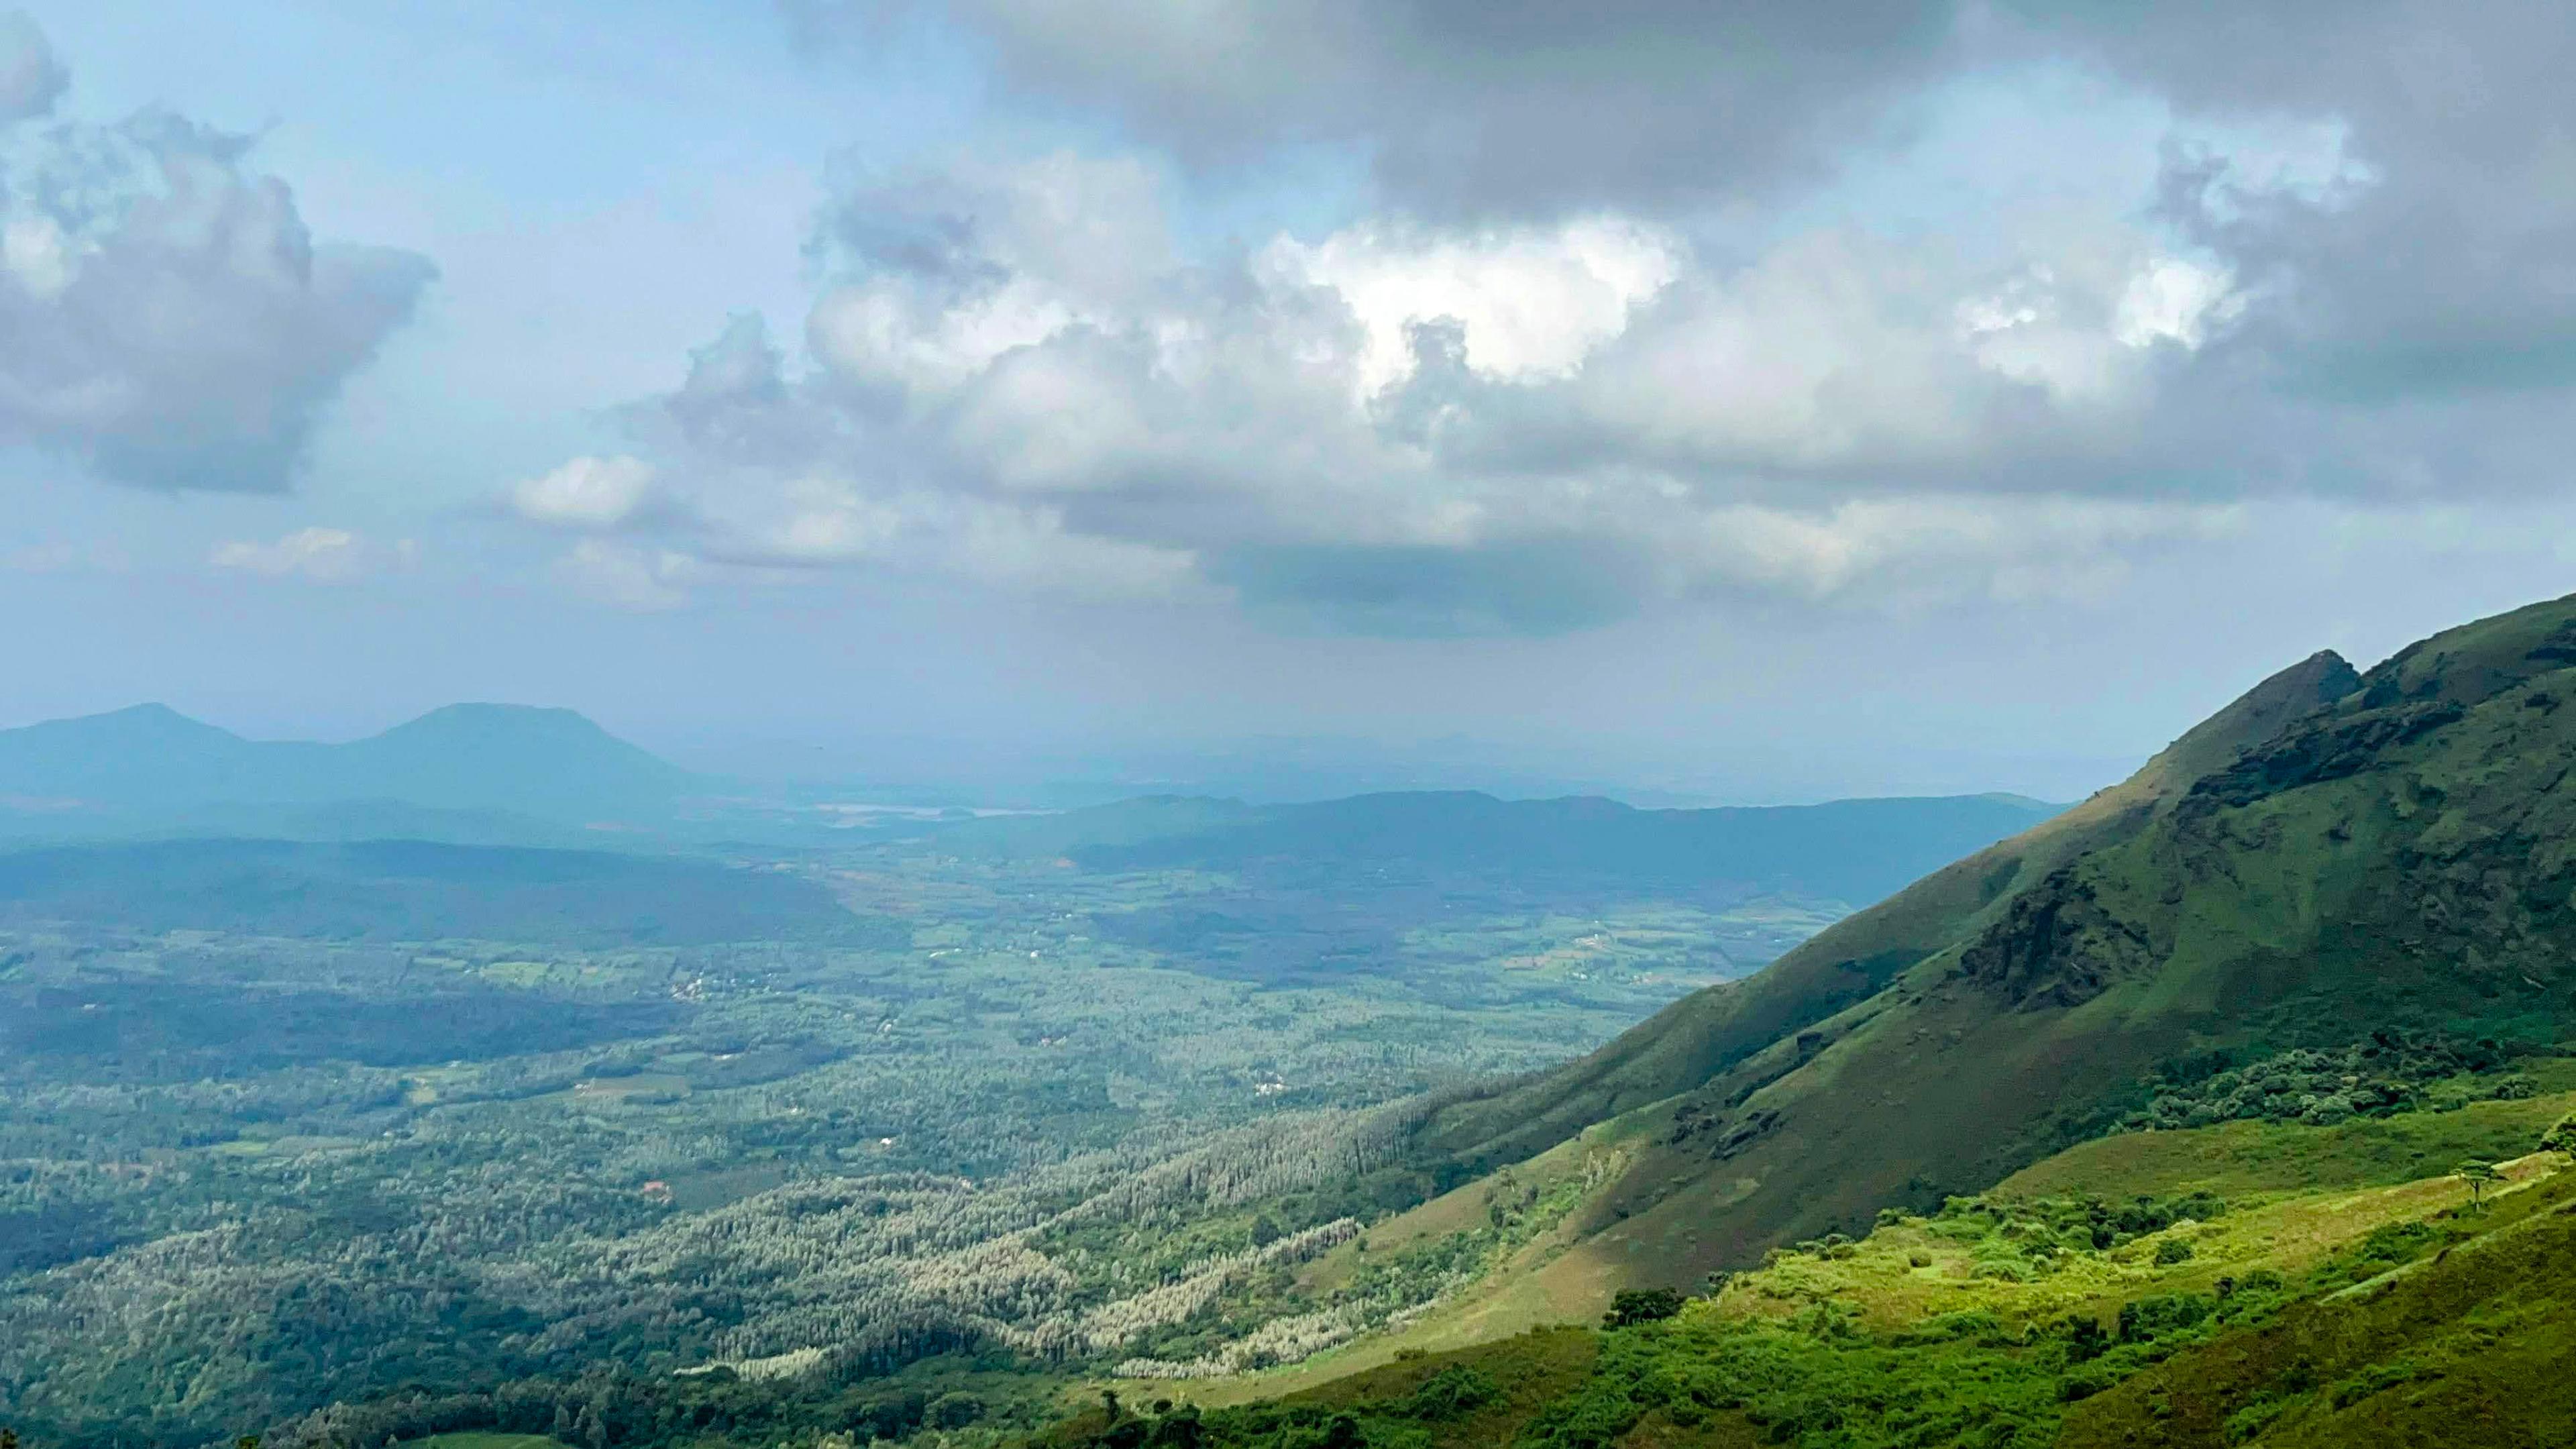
(491, 774)
(151, 761)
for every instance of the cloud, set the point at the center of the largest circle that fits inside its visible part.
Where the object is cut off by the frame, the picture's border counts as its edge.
(170, 320)
(32, 77)
(1637, 325)
(1528, 302)
(622, 576)
(1407, 427)
(2402, 197)
(1465, 109)
(588, 492)
(319, 555)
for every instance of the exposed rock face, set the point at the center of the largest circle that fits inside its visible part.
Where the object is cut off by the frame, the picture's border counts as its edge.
(2056, 946)
(2331, 747)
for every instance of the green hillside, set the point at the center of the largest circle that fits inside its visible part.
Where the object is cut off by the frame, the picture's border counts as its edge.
(2332, 855)
(1711, 1034)
(2112, 1298)
(2229, 1106)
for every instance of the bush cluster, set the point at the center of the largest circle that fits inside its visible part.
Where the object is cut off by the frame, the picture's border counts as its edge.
(2384, 1074)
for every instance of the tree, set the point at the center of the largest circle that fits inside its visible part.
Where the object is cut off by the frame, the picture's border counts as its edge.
(2480, 1176)
(8, 1439)
(2561, 1137)
(2085, 1339)
(1641, 1305)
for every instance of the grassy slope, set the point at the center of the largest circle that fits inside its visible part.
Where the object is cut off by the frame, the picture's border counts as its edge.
(2469, 1348)
(2400, 856)
(2249, 1157)
(2302, 1203)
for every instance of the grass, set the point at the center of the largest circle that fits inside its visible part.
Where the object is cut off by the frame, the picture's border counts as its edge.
(2252, 1157)
(2388, 1313)
(2468, 1347)
(1513, 1297)
(1952, 1322)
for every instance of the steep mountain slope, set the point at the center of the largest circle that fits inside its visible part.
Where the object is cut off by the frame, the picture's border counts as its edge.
(2330, 855)
(1702, 1035)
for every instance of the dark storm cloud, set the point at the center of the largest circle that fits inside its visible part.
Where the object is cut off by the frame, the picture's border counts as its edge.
(1464, 107)
(2447, 264)
(2448, 268)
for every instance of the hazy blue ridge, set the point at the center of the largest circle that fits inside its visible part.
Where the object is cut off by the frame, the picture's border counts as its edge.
(152, 763)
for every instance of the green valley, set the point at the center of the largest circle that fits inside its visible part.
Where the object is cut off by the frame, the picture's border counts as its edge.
(2228, 1106)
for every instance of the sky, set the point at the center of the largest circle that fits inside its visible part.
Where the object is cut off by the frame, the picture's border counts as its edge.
(1748, 403)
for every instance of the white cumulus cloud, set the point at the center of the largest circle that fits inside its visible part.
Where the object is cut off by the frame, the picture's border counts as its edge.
(588, 492)
(1530, 302)
(322, 555)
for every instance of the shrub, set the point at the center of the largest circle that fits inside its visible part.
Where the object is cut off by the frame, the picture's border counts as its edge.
(1454, 1390)
(2561, 1137)
(1641, 1305)
(2172, 1251)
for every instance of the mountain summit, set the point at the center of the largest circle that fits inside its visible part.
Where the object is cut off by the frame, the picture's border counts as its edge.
(152, 760)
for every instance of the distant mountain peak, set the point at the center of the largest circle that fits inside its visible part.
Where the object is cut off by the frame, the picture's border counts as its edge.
(151, 715)
(485, 719)
(476, 756)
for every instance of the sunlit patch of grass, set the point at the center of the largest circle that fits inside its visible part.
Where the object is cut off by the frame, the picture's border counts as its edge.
(2259, 1157)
